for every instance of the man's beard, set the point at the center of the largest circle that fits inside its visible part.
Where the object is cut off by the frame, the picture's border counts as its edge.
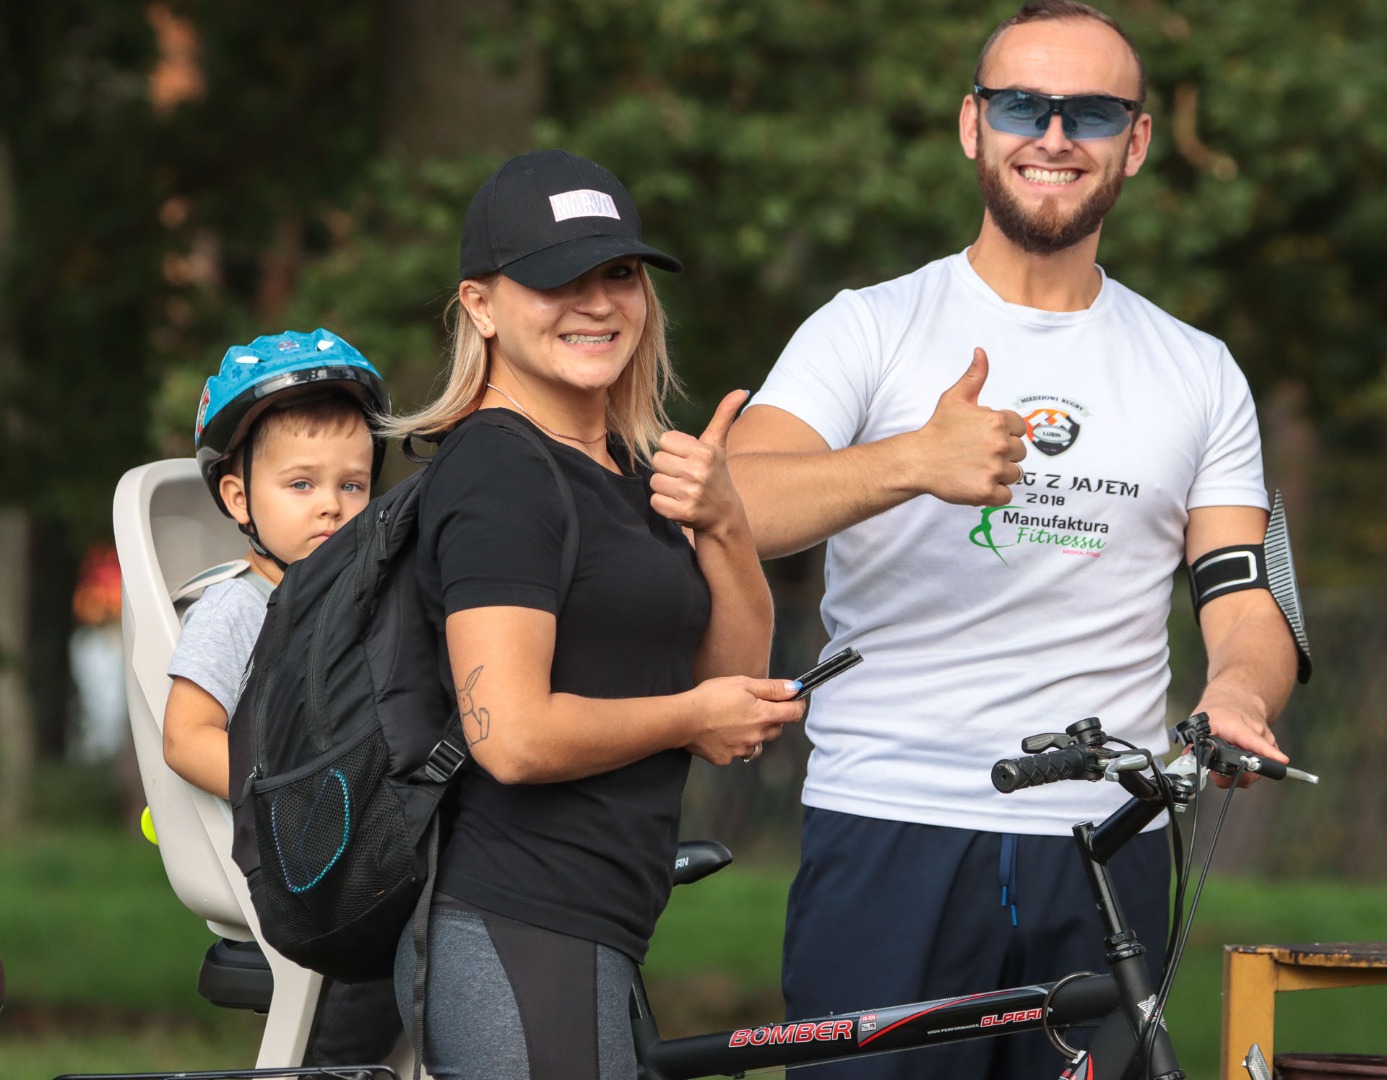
(1044, 232)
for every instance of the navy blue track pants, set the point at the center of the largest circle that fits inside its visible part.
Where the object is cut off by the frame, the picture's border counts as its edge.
(888, 913)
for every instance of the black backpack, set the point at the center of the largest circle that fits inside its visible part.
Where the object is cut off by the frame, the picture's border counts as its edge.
(343, 741)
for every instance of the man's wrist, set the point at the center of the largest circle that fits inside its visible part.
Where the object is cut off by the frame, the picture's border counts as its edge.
(907, 469)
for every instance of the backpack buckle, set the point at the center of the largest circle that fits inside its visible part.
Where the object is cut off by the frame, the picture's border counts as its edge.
(445, 759)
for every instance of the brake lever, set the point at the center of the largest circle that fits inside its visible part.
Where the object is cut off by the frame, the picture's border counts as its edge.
(1226, 759)
(1125, 763)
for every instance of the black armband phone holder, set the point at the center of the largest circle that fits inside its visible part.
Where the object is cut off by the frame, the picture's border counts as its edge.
(1267, 565)
(1227, 570)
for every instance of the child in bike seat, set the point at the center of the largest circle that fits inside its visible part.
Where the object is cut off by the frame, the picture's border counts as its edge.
(286, 442)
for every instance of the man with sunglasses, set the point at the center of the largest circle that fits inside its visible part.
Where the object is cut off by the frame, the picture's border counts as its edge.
(993, 598)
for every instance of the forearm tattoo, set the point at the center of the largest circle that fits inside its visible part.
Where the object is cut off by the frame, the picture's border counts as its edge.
(476, 721)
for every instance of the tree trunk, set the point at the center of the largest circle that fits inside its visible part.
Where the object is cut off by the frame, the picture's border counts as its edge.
(16, 721)
(17, 746)
(443, 99)
(53, 563)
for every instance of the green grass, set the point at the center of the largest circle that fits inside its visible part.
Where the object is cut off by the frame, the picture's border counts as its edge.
(88, 916)
(40, 1051)
(732, 923)
(101, 961)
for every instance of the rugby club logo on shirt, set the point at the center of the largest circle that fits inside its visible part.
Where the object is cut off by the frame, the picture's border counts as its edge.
(1051, 431)
(1052, 423)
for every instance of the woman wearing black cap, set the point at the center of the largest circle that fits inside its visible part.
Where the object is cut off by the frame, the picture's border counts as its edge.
(581, 704)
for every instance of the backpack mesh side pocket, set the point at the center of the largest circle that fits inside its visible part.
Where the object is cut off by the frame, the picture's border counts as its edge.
(332, 839)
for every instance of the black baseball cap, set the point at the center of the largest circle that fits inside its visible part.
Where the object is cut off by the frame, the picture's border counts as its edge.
(547, 217)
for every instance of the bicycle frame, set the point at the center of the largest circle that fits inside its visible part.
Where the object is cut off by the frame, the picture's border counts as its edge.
(859, 1034)
(1121, 997)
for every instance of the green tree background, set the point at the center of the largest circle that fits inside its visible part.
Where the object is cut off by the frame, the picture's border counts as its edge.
(315, 167)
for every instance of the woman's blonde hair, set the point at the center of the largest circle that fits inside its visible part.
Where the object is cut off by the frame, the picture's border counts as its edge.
(635, 402)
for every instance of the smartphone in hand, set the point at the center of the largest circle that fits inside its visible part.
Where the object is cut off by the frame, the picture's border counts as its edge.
(820, 673)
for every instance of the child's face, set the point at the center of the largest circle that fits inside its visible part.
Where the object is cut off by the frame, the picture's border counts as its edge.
(304, 487)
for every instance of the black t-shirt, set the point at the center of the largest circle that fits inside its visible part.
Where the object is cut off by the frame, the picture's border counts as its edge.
(593, 857)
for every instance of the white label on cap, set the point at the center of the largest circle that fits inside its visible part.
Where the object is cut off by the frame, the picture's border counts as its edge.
(583, 203)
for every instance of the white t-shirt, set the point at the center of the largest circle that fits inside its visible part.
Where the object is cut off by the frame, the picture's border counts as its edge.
(982, 626)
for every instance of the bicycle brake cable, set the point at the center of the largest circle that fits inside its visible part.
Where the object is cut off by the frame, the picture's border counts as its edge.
(1056, 1040)
(1147, 1043)
(1180, 862)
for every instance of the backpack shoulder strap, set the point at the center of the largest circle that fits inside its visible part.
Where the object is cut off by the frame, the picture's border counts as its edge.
(568, 559)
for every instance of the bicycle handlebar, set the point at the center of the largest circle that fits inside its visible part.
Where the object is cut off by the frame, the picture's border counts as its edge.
(1069, 763)
(1081, 755)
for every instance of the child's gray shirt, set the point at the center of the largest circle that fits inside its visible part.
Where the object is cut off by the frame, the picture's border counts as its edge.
(219, 632)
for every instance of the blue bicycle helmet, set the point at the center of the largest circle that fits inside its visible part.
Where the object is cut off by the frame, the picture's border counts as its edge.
(253, 376)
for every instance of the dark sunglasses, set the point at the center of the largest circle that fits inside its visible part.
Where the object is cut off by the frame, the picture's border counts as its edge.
(1083, 116)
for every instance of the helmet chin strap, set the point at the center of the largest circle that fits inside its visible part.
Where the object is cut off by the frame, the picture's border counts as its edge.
(249, 527)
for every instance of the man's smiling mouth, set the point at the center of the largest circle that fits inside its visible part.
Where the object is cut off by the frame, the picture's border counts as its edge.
(1049, 176)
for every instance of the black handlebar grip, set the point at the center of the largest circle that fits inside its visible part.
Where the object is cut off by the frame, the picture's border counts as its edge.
(1226, 758)
(1071, 763)
(1270, 768)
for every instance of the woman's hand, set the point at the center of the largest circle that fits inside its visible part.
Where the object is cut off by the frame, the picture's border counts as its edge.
(691, 484)
(740, 714)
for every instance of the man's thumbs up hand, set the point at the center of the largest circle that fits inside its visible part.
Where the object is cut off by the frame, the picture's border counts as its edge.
(971, 454)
